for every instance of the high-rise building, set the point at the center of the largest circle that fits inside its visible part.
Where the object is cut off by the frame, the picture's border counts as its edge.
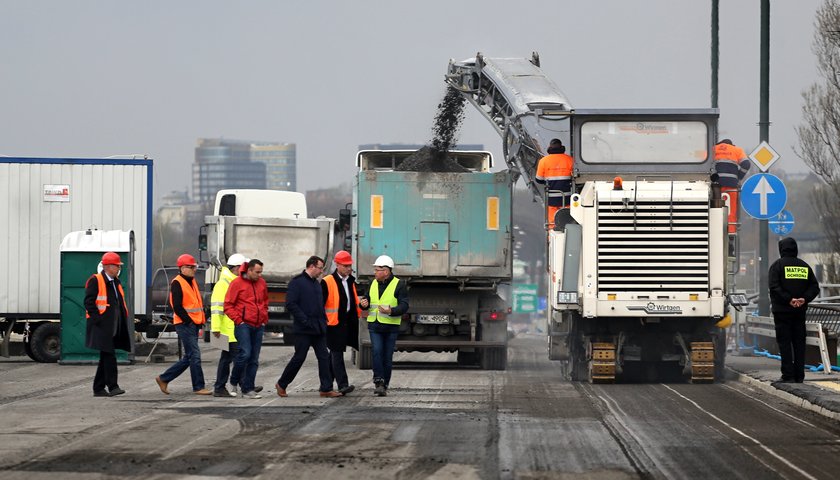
(222, 164)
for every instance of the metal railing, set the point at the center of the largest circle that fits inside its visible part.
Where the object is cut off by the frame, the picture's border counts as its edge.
(822, 320)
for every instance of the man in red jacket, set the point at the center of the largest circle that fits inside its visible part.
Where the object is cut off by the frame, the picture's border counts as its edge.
(246, 303)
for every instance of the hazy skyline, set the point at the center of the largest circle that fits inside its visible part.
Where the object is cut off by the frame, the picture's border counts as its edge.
(94, 79)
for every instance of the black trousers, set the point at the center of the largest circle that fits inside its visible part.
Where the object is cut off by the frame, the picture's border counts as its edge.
(790, 335)
(302, 344)
(106, 372)
(339, 372)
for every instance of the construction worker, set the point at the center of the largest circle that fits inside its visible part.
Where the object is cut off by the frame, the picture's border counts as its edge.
(388, 298)
(731, 165)
(555, 172)
(185, 299)
(107, 323)
(793, 286)
(343, 309)
(222, 324)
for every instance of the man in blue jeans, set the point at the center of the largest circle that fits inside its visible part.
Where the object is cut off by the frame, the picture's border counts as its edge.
(185, 299)
(246, 303)
(388, 298)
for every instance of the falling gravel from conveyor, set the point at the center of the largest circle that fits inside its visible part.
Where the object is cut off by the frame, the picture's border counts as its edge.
(434, 157)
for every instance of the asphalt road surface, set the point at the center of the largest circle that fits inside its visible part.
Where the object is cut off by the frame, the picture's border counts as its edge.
(438, 421)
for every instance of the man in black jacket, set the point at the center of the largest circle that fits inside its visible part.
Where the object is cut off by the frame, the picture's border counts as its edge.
(792, 286)
(306, 304)
(343, 307)
(107, 323)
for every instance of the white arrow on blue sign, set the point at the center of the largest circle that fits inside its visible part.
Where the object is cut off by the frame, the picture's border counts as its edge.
(763, 196)
(781, 224)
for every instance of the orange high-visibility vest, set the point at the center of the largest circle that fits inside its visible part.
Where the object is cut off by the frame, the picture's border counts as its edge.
(331, 304)
(192, 301)
(102, 295)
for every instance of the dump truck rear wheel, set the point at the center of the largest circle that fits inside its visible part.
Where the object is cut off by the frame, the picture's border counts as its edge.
(45, 343)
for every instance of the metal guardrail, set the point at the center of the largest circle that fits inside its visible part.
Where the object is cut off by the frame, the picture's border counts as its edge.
(827, 314)
(815, 331)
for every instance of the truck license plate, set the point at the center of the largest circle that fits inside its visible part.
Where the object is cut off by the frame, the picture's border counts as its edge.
(433, 319)
(276, 309)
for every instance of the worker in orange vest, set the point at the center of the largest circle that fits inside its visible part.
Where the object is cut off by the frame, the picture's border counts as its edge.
(185, 299)
(555, 172)
(731, 165)
(343, 308)
(107, 323)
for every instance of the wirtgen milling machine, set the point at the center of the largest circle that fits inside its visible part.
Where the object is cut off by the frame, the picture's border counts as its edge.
(637, 264)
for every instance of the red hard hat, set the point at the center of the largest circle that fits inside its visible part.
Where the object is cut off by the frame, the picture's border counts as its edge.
(186, 259)
(111, 258)
(343, 258)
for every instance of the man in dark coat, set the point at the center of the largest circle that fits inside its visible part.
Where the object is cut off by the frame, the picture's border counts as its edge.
(341, 302)
(792, 286)
(107, 324)
(306, 304)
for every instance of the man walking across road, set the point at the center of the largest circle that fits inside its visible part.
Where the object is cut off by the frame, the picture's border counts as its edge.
(185, 299)
(107, 323)
(305, 301)
(792, 286)
(221, 324)
(246, 303)
(388, 302)
(341, 303)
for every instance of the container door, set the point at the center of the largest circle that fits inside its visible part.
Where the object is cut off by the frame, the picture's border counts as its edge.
(434, 248)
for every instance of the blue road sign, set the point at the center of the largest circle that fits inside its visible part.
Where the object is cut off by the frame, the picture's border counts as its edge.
(763, 196)
(781, 224)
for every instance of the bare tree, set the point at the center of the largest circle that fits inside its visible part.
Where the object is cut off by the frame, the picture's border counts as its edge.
(819, 133)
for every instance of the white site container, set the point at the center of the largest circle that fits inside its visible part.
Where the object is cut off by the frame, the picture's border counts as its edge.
(44, 199)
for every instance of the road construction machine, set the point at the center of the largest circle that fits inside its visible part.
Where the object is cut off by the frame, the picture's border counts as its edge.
(636, 265)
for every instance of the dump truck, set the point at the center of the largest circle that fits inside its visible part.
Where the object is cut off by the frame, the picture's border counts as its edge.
(636, 266)
(46, 199)
(271, 226)
(449, 234)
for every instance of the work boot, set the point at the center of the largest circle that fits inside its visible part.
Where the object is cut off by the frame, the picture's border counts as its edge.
(223, 393)
(380, 390)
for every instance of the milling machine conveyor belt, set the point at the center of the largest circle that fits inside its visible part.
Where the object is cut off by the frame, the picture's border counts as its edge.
(524, 106)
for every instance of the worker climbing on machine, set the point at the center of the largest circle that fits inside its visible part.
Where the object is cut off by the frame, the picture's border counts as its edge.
(555, 172)
(732, 165)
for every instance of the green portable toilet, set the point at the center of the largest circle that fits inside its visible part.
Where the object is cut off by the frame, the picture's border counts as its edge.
(80, 255)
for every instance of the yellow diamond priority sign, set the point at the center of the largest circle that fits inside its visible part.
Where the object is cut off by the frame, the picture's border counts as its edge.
(764, 156)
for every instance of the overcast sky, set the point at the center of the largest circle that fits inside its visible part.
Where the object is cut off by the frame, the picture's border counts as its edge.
(100, 78)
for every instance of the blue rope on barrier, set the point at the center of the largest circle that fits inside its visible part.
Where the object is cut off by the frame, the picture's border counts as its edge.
(820, 368)
(765, 353)
(811, 368)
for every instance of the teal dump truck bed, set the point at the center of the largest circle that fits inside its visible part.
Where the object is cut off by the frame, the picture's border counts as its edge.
(436, 226)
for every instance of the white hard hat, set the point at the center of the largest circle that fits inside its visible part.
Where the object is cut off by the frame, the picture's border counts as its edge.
(384, 261)
(237, 259)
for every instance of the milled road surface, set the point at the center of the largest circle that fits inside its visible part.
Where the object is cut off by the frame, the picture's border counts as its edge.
(438, 421)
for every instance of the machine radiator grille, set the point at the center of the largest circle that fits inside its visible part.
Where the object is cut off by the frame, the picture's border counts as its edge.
(653, 246)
